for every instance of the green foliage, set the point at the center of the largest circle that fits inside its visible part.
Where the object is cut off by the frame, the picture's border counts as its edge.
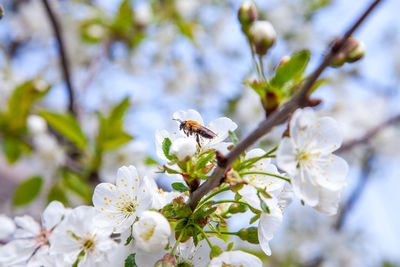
(233, 137)
(67, 126)
(166, 145)
(291, 70)
(27, 191)
(21, 102)
(13, 121)
(179, 187)
(124, 18)
(13, 147)
(57, 193)
(77, 185)
(215, 251)
(111, 134)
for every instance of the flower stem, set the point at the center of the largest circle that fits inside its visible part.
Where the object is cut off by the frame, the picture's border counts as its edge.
(177, 243)
(266, 173)
(222, 233)
(222, 189)
(204, 234)
(260, 58)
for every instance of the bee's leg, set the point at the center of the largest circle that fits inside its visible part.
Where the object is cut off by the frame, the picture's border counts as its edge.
(198, 139)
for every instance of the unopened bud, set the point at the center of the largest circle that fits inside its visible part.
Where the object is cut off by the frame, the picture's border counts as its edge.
(338, 60)
(247, 14)
(167, 261)
(357, 53)
(250, 235)
(237, 208)
(1, 11)
(262, 34)
(283, 60)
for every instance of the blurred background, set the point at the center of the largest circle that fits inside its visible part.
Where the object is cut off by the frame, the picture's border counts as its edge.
(131, 64)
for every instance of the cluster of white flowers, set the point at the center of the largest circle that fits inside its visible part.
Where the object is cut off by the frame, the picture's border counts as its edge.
(128, 217)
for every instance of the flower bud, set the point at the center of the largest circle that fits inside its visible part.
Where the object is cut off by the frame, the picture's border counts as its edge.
(151, 232)
(36, 125)
(237, 208)
(283, 60)
(250, 235)
(357, 53)
(262, 34)
(247, 14)
(167, 261)
(1, 11)
(183, 148)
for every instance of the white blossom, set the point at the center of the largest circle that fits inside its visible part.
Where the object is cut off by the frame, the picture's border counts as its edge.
(120, 204)
(80, 240)
(235, 258)
(183, 148)
(307, 156)
(7, 227)
(31, 240)
(151, 232)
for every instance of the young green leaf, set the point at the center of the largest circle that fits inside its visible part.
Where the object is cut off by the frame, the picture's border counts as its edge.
(66, 125)
(130, 261)
(166, 145)
(27, 191)
(180, 187)
(291, 69)
(233, 137)
(56, 193)
(77, 185)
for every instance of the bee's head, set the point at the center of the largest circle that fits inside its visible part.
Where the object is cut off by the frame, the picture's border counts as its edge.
(182, 123)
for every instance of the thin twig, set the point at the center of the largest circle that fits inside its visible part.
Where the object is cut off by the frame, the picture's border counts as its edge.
(370, 134)
(62, 54)
(276, 118)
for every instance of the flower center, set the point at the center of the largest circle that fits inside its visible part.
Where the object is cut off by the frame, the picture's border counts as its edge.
(42, 239)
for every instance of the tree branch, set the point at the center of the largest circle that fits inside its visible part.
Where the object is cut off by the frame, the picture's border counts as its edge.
(276, 118)
(62, 54)
(370, 134)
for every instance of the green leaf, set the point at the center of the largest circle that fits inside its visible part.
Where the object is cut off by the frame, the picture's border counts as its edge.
(291, 69)
(111, 134)
(180, 187)
(130, 261)
(56, 193)
(27, 191)
(255, 218)
(166, 145)
(150, 161)
(77, 185)
(202, 162)
(215, 251)
(116, 141)
(124, 18)
(264, 206)
(234, 138)
(11, 149)
(21, 101)
(66, 125)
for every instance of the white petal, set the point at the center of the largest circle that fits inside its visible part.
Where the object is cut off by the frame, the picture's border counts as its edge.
(221, 128)
(304, 188)
(254, 153)
(286, 156)
(52, 215)
(235, 258)
(191, 114)
(28, 224)
(128, 179)
(7, 227)
(332, 172)
(267, 226)
(301, 121)
(326, 134)
(328, 201)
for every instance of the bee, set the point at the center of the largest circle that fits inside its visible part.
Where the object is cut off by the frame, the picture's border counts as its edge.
(190, 127)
